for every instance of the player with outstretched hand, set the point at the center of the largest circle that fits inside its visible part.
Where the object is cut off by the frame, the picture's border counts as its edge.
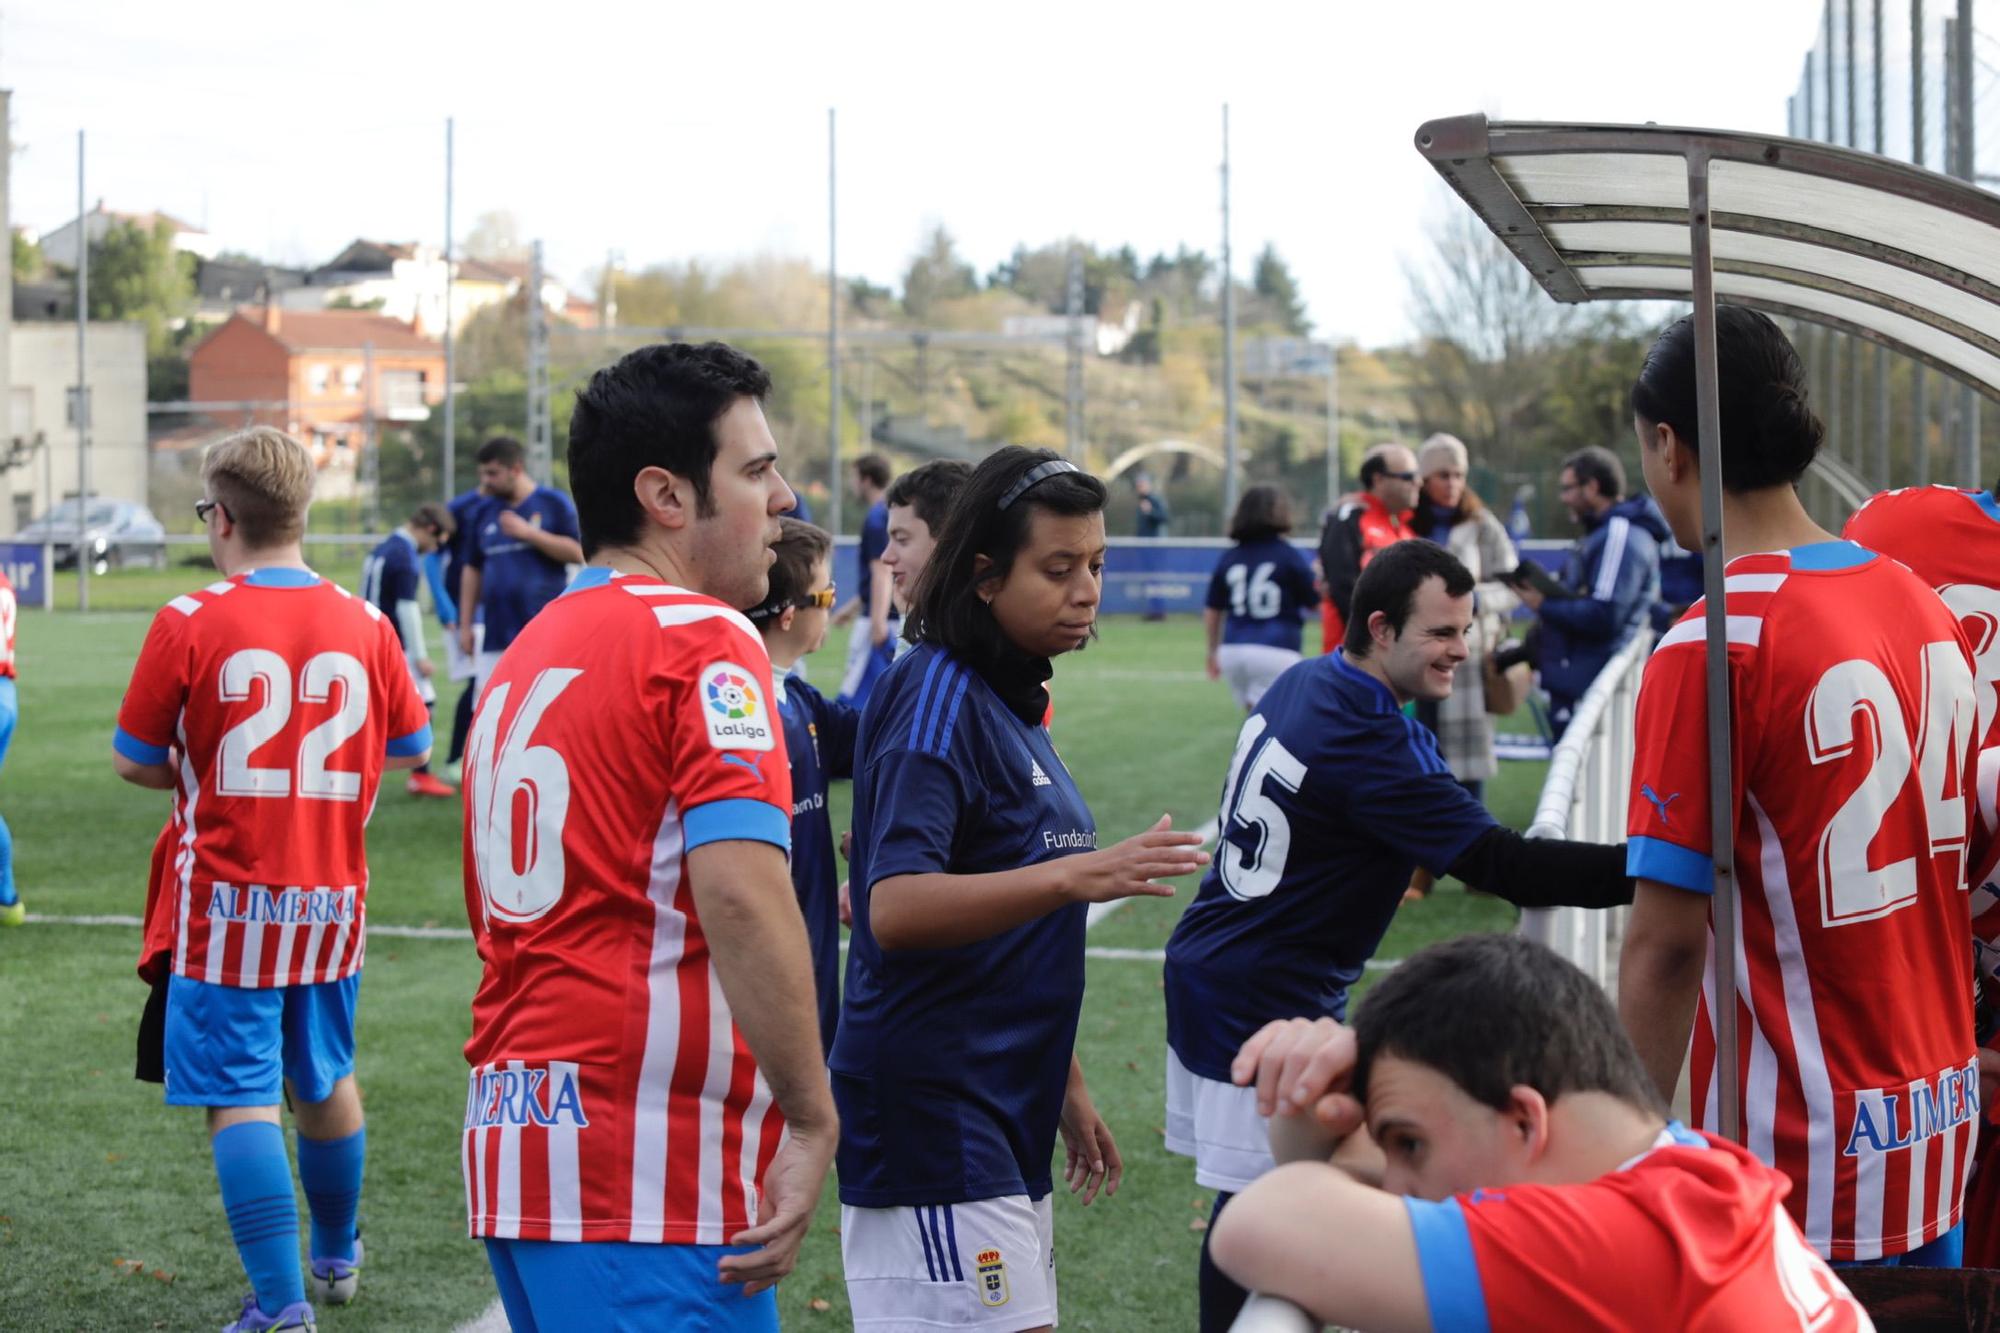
(975, 858)
(647, 1123)
(1853, 715)
(1501, 1160)
(269, 703)
(1333, 797)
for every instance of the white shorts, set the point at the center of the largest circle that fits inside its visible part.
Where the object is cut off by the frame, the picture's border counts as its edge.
(990, 1264)
(1216, 1124)
(1250, 668)
(484, 665)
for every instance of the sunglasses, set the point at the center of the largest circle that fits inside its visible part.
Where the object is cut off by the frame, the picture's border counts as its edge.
(822, 600)
(1401, 476)
(203, 508)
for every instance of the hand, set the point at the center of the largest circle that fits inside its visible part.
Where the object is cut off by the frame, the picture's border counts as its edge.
(425, 669)
(1530, 598)
(465, 637)
(847, 845)
(1214, 667)
(845, 615)
(1128, 869)
(846, 907)
(1090, 1156)
(784, 1210)
(1301, 1064)
(513, 525)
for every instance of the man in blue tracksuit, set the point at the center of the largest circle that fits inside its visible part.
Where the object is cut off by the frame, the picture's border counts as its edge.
(1614, 572)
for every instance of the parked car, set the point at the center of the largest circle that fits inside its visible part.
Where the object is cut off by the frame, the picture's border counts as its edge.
(119, 534)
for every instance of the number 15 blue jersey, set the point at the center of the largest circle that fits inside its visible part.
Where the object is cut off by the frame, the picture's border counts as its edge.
(1333, 797)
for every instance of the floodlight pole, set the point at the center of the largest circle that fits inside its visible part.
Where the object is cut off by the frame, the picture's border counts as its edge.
(1332, 425)
(82, 388)
(832, 337)
(1228, 341)
(450, 352)
(1721, 778)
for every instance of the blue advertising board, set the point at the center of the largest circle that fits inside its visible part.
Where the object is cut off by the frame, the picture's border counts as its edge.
(26, 567)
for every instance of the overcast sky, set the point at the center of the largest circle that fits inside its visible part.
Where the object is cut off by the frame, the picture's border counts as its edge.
(669, 131)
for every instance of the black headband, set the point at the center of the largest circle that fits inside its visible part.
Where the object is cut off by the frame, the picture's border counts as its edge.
(1033, 477)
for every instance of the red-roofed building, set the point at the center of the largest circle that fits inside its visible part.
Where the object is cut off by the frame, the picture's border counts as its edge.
(307, 372)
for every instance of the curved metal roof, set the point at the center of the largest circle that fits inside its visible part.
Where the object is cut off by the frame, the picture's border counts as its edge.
(1878, 248)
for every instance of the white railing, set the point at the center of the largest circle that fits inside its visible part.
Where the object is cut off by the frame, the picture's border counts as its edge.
(1585, 797)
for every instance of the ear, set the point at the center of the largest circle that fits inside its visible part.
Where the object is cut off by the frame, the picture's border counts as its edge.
(982, 571)
(1528, 1116)
(1675, 452)
(663, 497)
(1380, 630)
(786, 617)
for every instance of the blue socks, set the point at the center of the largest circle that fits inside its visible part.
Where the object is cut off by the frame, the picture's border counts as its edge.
(330, 1169)
(256, 1179)
(7, 894)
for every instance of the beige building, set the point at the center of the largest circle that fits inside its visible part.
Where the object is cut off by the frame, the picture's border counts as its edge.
(39, 459)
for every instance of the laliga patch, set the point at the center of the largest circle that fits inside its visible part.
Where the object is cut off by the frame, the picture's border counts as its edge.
(737, 714)
(992, 1278)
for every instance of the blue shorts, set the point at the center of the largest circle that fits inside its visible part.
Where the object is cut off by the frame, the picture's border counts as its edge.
(1947, 1251)
(235, 1045)
(551, 1286)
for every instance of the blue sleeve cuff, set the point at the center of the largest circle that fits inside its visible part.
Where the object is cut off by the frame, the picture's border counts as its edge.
(125, 743)
(1452, 1288)
(1670, 863)
(418, 741)
(738, 820)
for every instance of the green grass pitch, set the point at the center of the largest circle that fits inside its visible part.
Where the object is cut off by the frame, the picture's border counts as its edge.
(108, 1210)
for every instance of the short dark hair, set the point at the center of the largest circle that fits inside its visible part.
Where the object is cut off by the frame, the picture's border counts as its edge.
(1595, 463)
(504, 450)
(945, 609)
(654, 407)
(1372, 467)
(1495, 1012)
(929, 491)
(872, 468)
(800, 547)
(1390, 584)
(434, 516)
(1769, 432)
(1262, 513)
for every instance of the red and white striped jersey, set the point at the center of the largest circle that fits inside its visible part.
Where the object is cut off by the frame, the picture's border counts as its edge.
(1950, 538)
(277, 695)
(1853, 712)
(9, 612)
(612, 1097)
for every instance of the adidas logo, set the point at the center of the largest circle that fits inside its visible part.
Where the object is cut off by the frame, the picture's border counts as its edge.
(1035, 774)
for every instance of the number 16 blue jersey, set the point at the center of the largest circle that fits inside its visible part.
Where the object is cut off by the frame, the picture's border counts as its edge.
(1333, 797)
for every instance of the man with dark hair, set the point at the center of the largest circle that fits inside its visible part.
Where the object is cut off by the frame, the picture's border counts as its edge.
(1333, 797)
(917, 503)
(871, 643)
(519, 554)
(1504, 1163)
(1613, 570)
(649, 1118)
(1361, 525)
(389, 578)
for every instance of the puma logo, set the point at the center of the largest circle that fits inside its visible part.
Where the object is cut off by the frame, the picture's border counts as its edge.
(1660, 803)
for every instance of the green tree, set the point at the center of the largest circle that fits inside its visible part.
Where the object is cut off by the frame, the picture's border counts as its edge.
(27, 259)
(1279, 292)
(136, 274)
(936, 274)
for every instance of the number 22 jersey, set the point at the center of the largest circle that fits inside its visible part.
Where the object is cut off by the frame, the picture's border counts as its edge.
(611, 1096)
(1853, 724)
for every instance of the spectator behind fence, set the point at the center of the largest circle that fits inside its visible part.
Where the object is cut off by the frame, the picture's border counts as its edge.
(1152, 520)
(1487, 1083)
(1612, 576)
(1359, 526)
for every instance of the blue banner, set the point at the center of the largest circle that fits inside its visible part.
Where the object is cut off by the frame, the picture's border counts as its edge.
(27, 569)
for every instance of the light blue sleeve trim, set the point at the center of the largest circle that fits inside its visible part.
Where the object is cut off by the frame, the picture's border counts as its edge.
(125, 743)
(1452, 1288)
(1670, 863)
(1830, 555)
(418, 741)
(447, 609)
(738, 820)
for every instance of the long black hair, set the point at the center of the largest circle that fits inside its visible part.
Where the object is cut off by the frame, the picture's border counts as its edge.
(1769, 432)
(946, 608)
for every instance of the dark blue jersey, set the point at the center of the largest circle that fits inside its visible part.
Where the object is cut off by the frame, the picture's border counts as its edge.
(874, 541)
(1332, 798)
(467, 508)
(950, 1066)
(1265, 590)
(819, 739)
(516, 580)
(389, 579)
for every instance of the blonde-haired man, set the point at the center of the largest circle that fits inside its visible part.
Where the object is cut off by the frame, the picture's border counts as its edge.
(269, 703)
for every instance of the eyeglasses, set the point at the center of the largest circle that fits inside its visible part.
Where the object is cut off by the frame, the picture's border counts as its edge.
(822, 600)
(1401, 476)
(203, 508)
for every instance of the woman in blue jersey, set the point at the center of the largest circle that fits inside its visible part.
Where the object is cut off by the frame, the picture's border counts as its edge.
(974, 858)
(1260, 594)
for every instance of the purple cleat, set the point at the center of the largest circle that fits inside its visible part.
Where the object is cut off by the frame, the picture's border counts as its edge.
(297, 1315)
(334, 1280)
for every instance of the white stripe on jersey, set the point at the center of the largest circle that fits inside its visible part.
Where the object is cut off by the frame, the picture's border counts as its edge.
(1747, 630)
(470, 1170)
(1915, 1213)
(1760, 1096)
(478, 1139)
(1769, 582)
(565, 1182)
(281, 957)
(253, 936)
(655, 590)
(334, 955)
(753, 1141)
(218, 943)
(219, 588)
(1615, 537)
(507, 1211)
(714, 1093)
(184, 604)
(184, 857)
(315, 936)
(689, 613)
(656, 1067)
(1807, 1051)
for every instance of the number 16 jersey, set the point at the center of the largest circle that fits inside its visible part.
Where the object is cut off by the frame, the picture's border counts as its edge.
(611, 1096)
(1853, 717)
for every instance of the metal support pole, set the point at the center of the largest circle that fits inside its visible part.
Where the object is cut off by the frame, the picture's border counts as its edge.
(1332, 425)
(1721, 791)
(82, 387)
(1920, 413)
(1073, 386)
(1966, 143)
(832, 335)
(1229, 460)
(1875, 78)
(541, 428)
(1826, 40)
(1920, 447)
(450, 484)
(1853, 84)
(371, 447)
(1808, 120)
(1917, 85)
